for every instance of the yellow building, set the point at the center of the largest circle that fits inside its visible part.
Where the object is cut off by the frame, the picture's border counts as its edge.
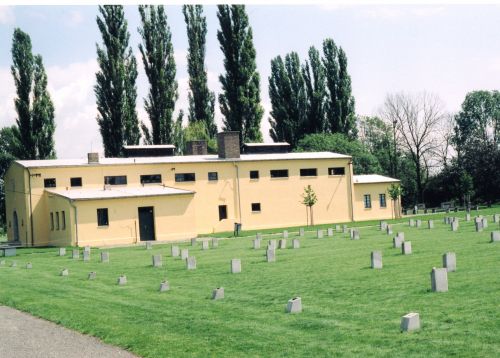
(111, 201)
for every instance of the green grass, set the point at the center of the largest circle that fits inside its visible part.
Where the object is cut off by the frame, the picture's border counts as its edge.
(349, 309)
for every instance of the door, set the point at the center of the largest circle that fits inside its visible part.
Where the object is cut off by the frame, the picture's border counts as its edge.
(15, 227)
(146, 223)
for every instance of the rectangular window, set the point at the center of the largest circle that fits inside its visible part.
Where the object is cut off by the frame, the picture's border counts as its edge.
(336, 171)
(383, 203)
(151, 179)
(52, 221)
(49, 183)
(76, 181)
(368, 201)
(254, 174)
(222, 212)
(57, 220)
(63, 218)
(256, 207)
(279, 173)
(213, 176)
(185, 177)
(115, 180)
(309, 172)
(102, 217)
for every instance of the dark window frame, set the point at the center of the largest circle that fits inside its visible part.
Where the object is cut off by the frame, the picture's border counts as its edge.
(367, 203)
(222, 212)
(336, 171)
(49, 183)
(76, 182)
(256, 208)
(278, 173)
(150, 179)
(58, 227)
(254, 174)
(383, 202)
(212, 177)
(115, 180)
(309, 172)
(102, 217)
(185, 177)
(51, 221)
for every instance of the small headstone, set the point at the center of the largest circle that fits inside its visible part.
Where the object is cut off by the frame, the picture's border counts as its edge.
(330, 232)
(294, 305)
(164, 286)
(235, 266)
(376, 259)
(86, 255)
(174, 251)
(418, 223)
(383, 225)
(355, 234)
(62, 251)
(2, 262)
(92, 275)
(495, 236)
(337, 228)
(149, 245)
(319, 234)
(258, 236)
(454, 226)
(285, 234)
(271, 245)
(271, 255)
(485, 223)
(256, 244)
(450, 261)
(296, 243)
(406, 248)
(86, 249)
(29, 265)
(397, 242)
(193, 241)
(104, 257)
(410, 322)
(301, 232)
(439, 280)
(479, 226)
(496, 218)
(344, 229)
(122, 280)
(184, 254)
(13, 264)
(282, 244)
(191, 263)
(215, 243)
(9, 251)
(389, 230)
(157, 261)
(467, 217)
(218, 293)
(204, 245)
(75, 254)
(430, 224)
(411, 223)
(64, 272)
(401, 235)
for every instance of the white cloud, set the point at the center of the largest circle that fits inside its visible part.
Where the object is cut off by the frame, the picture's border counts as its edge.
(7, 15)
(7, 93)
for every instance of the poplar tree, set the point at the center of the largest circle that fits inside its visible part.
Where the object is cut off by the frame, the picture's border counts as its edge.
(159, 64)
(201, 100)
(240, 97)
(314, 77)
(116, 90)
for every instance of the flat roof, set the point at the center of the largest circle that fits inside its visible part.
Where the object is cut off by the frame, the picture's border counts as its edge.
(150, 146)
(373, 178)
(179, 159)
(117, 192)
(266, 144)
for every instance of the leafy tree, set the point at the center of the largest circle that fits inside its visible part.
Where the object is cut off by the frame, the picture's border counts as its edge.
(240, 97)
(178, 134)
(115, 89)
(376, 136)
(198, 131)
(314, 77)
(288, 96)
(9, 149)
(309, 199)
(363, 161)
(158, 58)
(395, 191)
(201, 99)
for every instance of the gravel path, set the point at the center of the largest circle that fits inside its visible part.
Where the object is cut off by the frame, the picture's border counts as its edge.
(25, 336)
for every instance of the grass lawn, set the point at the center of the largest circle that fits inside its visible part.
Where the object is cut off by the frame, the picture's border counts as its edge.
(348, 308)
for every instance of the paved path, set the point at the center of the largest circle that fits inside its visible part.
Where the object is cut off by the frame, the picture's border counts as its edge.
(25, 336)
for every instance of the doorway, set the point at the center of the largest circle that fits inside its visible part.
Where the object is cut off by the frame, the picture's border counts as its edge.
(15, 227)
(146, 223)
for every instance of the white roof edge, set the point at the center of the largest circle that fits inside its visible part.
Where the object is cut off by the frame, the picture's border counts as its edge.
(145, 146)
(266, 144)
(372, 179)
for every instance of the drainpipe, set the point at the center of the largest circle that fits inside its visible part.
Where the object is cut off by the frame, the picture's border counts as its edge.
(76, 221)
(238, 188)
(351, 190)
(31, 210)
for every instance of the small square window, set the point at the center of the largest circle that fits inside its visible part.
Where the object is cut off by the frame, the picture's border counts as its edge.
(76, 181)
(213, 176)
(254, 174)
(102, 217)
(383, 203)
(279, 173)
(336, 171)
(151, 179)
(49, 183)
(182, 177)
(309, 172)
(222, 212)
(256, 207)
(368, 201)
(115, 180)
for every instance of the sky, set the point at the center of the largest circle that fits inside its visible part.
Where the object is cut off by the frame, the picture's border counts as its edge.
(448, 50)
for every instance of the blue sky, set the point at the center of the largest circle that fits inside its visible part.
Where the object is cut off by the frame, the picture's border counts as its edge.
(448, 50)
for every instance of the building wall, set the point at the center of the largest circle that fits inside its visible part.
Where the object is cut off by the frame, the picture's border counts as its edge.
(17, 200)
(376, 211)
(60, 233)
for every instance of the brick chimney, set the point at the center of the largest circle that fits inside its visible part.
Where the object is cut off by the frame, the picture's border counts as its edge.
(196, 147)
(228, 144)
(93, 158)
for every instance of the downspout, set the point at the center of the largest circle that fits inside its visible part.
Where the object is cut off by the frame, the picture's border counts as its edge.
(76, 221)
(31, 210)
(238, 188)
(351, 190)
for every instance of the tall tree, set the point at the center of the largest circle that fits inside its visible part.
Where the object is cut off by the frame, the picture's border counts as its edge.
(240, 100)
(201, 99)
(314, 77)
(35, 110)
(159, 64)
(288, 95)
(346, 100)
(115, 89)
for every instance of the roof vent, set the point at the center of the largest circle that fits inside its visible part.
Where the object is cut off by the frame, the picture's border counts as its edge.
(228, 144)
(196, 147)
(266, 148)
(93, 158)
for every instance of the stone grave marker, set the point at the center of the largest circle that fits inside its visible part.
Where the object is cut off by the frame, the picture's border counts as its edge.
(149, 245)
(411, 223)
(2, 262)
(330, 232)
(338, 228)
(450, 261)
(258, 236)
(389, 230)
(496, 218)
(355, 234)
(479, 226)
(122, 280)
(204, 245)
(454, 226)
(282, 244)
(75, 254)
(397, 242)
(344, 229)
(164, 286)
(86, 249)
(62, 251)
(256, 244)
(193, 241)
(215, 243)
(174, 251)
(271, 255)
(235, 266)
(430, 224)
(467, 217)
(157, 262)
(495, 236)
(376, 259)
(485, 223)
(191, 263)
(319, 234)
(13, 264)
(285, 234)
(401, 235)
(271, 245)
(383, 225)
(29, 266)
(301, 232)
(104, 257)
(410, 322)
(64, 272)
(439, 280)
(92, 275)
(184, 254)
(406, 248)
(86, 255)
(296, 243)
(218, 293)
(418, 223)
(294, 305)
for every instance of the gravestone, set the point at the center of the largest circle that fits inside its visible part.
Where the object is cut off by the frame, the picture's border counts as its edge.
(454, 225)
(467, 217)
(296, 243)
(13, 264)
(184, 254)
(301, 232)
(496, 218)
(92, 275)
(376, 259)
(285, 234)
(485, 223)
(397, 242)
(204, 245)
(445, 220)
(337, 228)
(479, 226)
(164, 286)
(271, 245)
(344, 229)
(294, 305)
(256, 244)
(389, 230)
(149, 245)
(411, 223)
(383, 225)
(330, 232)
(86, 255)
(418, 223)
(2, 262)
(122, 280)
(235, 266)
(174, 251)
(86, 249)
(191, 263)
(104, 257)
(29, 266)
(62, 251)
(401, 235)
(215, 243)
(355, 234)
(430, 224)
(193, 241)
(258, 236)
(406, 248)
(75, 254)
(64, 272)
(157, 261)
(450, 261)
(439, 280)
(218, 293)
(282, 244)
(271, 255)
(319, 234)
(410, 322)
(9, 251)
(495, 236)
